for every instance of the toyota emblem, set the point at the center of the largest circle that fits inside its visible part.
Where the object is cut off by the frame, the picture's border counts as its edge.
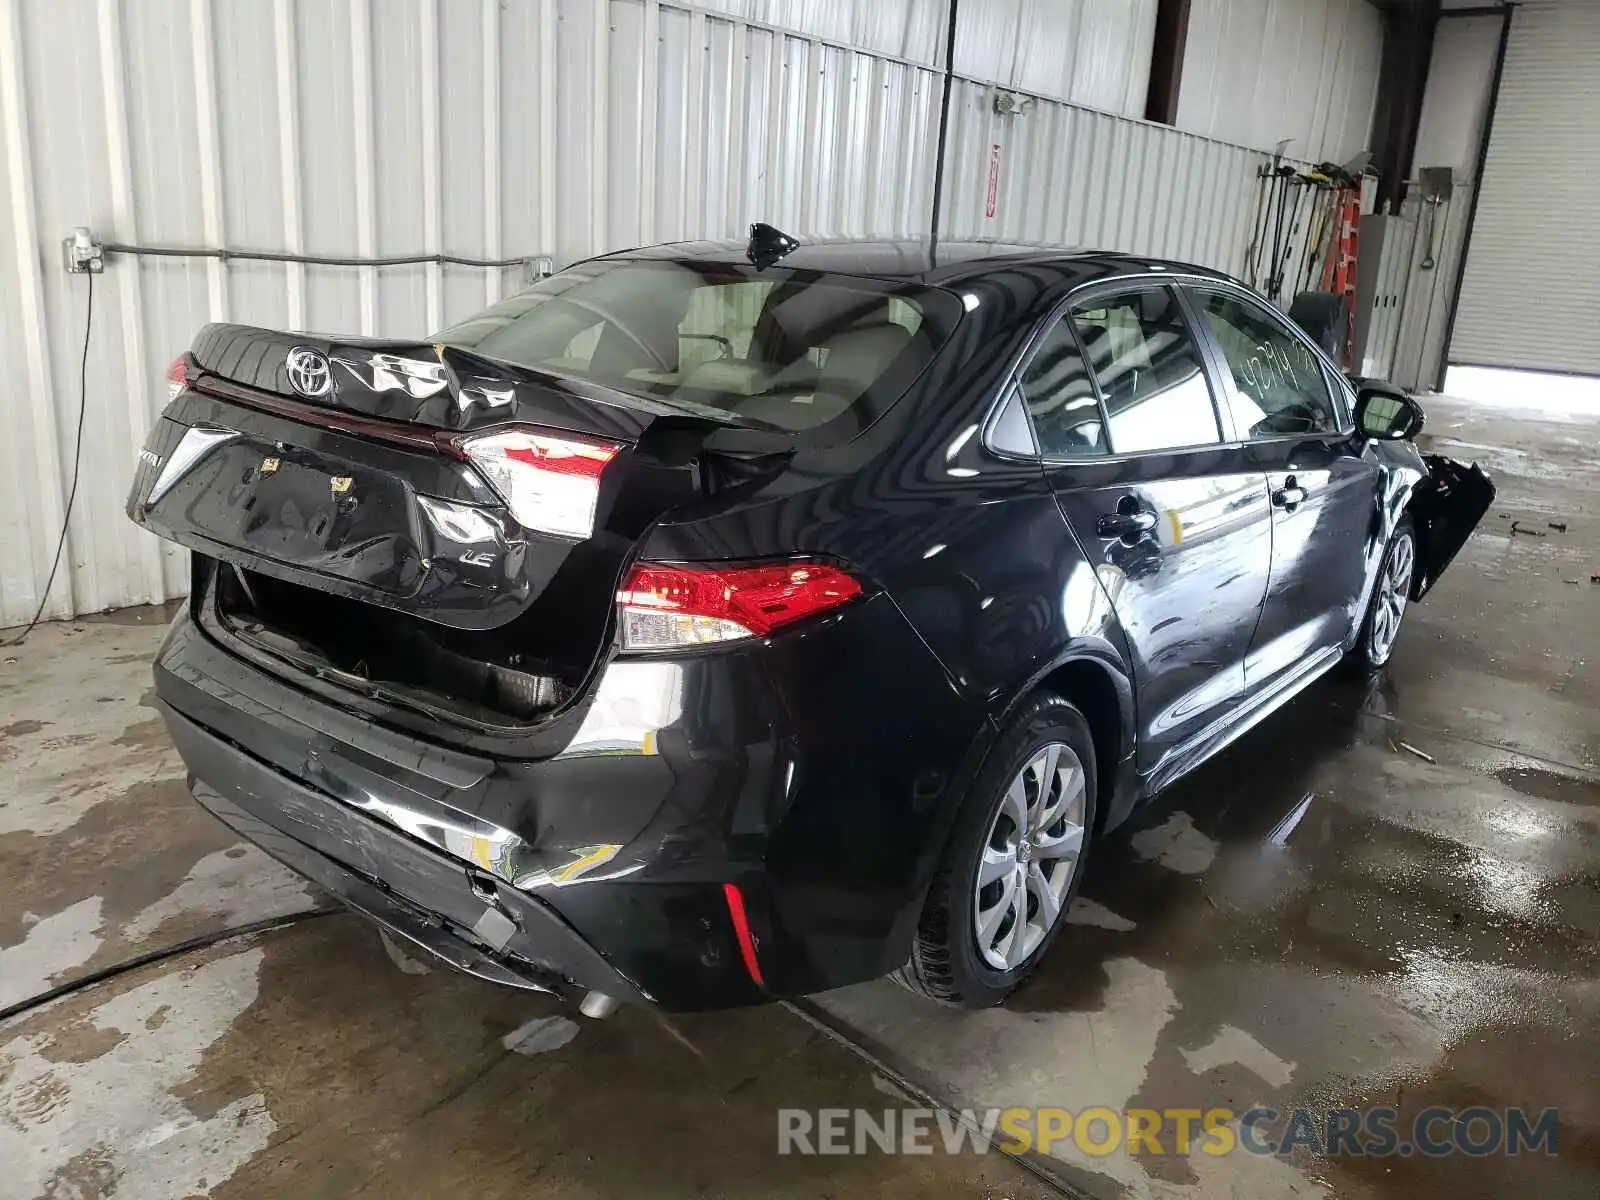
(309, 372)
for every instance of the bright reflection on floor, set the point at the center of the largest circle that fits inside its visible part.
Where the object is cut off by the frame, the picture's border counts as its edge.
(1525, 389)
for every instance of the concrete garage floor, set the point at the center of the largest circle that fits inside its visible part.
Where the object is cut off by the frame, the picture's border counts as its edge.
(305, 1062)
(1321, 917)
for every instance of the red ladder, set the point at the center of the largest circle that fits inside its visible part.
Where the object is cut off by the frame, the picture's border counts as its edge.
(1339, 270)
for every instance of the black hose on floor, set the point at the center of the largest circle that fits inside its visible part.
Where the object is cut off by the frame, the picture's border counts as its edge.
(819, 1019)
(198, 942)
(805, 1009)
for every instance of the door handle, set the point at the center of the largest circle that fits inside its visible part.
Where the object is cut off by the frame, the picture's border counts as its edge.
(1289, 497)
(1127, 522)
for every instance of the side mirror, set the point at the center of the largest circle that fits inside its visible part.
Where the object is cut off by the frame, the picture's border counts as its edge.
(1386, 415)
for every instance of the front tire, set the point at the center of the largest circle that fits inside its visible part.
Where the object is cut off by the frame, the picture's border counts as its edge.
(1380, 628)
(1013, 863)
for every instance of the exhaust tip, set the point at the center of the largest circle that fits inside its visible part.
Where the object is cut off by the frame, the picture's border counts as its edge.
(598, 1005)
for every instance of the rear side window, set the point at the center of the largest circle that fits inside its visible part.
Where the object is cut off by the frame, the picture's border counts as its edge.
(1060, 397)
(1148, 371)
(786, 348)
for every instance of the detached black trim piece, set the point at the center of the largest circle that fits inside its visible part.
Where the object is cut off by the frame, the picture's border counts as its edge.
(1448, 505)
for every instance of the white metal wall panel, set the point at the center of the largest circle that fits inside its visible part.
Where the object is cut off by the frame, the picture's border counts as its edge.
(1420, 349)
(1531, 292)
(29, 458)
(1457, 95)
(1076, 176)
(1092, 52)
(496, 128)
(1258, 71)
(69, 161)
(402, 206)
(913, 30)
(1453, 109)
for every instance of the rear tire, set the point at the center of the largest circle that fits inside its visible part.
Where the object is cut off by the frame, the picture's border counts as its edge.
(1386, 608)
(1025, 825)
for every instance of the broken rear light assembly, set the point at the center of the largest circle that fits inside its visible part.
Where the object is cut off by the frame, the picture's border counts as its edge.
(666, 606)
(550, 483)
(177, 376)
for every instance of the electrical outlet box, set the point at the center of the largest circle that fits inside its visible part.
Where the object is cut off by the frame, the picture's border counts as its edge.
(1011, 104)
(82, 253)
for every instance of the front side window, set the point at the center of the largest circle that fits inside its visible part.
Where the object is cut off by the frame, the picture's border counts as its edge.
(1278, 385)
(787, 348)
(1148, 371)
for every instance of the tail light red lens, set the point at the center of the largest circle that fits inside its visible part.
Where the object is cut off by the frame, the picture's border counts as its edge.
(177, 376)
(550, 483)
(666, 605)
(741, 931)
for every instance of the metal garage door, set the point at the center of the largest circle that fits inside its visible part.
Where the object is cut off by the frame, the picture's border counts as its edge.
(1531, 294)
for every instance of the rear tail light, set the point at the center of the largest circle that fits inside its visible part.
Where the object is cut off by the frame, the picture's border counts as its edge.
(177, 376)
(667, 606)
(550, 483)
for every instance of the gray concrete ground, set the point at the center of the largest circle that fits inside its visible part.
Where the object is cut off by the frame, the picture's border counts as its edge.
(1321, 917)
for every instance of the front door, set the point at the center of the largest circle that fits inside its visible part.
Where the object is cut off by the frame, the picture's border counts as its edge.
(1323, 487)
(1175, 524)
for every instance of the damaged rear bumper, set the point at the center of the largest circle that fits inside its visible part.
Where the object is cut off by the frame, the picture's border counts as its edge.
(609, 858)
(473, 922)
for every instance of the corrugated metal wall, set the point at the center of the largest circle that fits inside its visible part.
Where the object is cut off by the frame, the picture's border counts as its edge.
(1258, 71)
(498, 128)
(1079, 177)
(1093, 52)
(912, 30)
(1419, 360)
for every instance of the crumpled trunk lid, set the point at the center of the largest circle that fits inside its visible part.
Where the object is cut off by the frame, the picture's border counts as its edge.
(425, 384)
(338, 465)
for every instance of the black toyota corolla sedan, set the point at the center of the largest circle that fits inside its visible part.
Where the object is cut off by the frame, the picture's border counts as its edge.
(718, 622)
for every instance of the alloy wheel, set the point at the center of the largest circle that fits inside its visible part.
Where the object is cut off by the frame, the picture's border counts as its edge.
(1394, 589)
(1030, 856)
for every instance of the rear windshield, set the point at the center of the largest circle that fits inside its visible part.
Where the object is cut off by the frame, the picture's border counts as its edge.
(787, 348)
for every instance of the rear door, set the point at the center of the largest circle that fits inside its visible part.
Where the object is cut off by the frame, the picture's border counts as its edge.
(1174, 521)
(1293, 422)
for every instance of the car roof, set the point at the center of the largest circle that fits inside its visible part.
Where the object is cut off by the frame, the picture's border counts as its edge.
(921, 260)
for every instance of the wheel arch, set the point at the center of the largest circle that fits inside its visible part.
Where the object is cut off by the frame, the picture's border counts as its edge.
(1088, 673)
(1089, 686)
(1093, 678)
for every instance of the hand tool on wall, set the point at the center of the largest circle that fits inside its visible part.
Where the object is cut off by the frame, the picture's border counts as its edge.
(1437, 185)
(1322, 201)
(1268, 182)
(1300, 184)
(1283, 175)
